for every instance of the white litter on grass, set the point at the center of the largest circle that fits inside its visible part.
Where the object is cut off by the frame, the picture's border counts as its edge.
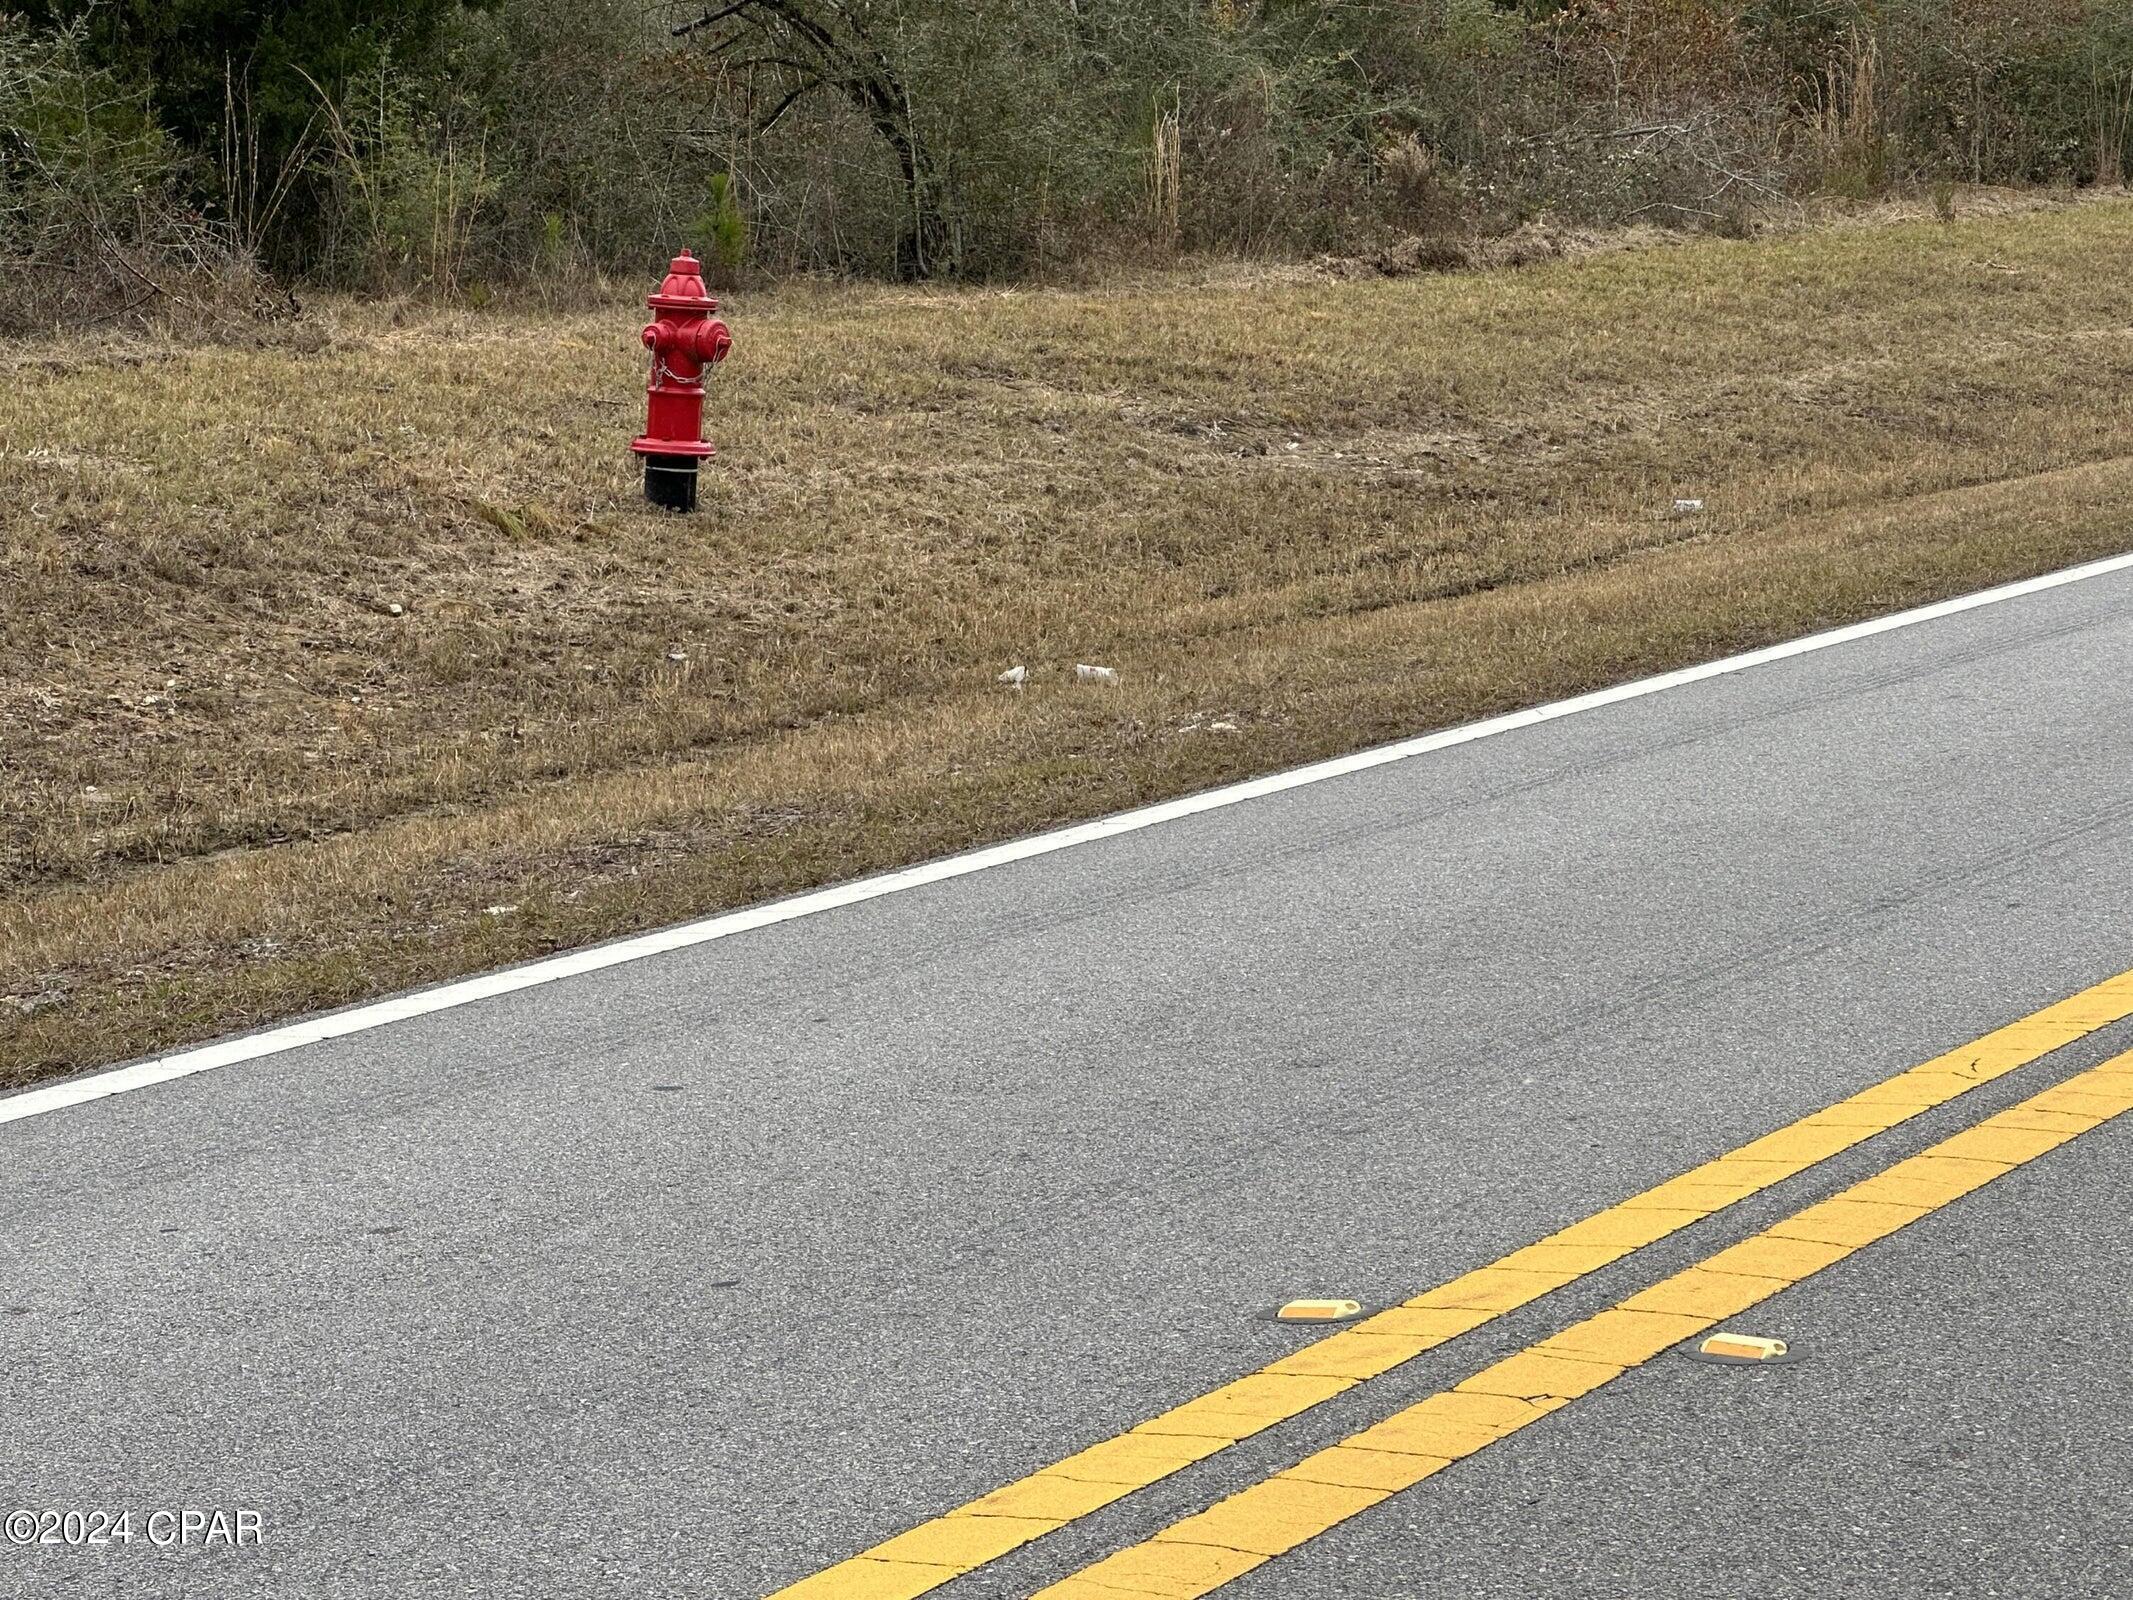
(1687, 508)
(498, 911)
(1084, 673)
(1014, 677)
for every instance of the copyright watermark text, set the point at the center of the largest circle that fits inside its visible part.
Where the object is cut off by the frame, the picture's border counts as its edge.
(165, 1528)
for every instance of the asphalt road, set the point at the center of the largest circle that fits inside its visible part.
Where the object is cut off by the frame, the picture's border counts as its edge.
(696, 1275)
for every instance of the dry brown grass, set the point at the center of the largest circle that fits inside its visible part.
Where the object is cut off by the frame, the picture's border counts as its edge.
(235, 786)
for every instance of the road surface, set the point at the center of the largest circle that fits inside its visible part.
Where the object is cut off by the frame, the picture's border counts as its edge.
(703, 1274)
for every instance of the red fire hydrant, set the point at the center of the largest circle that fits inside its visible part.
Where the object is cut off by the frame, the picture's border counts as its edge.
(686, 340)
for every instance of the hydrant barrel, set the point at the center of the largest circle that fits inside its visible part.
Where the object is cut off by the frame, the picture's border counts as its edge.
(686, 340)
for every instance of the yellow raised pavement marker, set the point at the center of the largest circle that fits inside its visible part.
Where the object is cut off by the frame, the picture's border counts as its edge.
(1742, 1347)
(1268, 1519)
(1318, 1311)
(1375, 1344)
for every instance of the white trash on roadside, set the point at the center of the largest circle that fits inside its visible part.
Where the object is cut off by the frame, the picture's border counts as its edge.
(1014, 677)
(1687, 508)
(1084, 673)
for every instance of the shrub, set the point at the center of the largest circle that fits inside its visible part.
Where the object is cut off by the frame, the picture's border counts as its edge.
(405, 186)
(94, 226)
(720, 232)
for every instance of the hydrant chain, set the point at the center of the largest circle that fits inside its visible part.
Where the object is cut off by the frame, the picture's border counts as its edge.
(660, 370)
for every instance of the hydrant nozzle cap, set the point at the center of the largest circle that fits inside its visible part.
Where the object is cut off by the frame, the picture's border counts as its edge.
(683, 289)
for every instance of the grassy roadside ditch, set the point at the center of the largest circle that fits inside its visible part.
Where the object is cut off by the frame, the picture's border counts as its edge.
(350, 659)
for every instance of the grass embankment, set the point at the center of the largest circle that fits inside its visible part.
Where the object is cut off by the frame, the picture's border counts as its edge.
(1297, 515)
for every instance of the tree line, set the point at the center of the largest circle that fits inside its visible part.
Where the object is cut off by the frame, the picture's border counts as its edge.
(164, 152)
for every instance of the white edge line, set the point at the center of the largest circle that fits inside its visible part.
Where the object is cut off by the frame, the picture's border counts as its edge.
(443, 997)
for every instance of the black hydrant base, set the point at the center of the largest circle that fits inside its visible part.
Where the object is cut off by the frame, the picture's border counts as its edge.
(670, 482)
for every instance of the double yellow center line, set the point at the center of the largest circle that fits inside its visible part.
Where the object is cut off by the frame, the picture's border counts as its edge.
(1206, 1551)
(1202, 1553)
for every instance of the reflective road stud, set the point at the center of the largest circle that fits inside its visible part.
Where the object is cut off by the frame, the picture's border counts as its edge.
(1742, 1347)
(1319, 1311)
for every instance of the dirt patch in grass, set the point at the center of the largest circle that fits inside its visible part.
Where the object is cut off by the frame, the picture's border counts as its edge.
(350, 661)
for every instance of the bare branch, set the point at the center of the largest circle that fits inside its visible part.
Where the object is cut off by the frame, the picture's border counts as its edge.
(783, 106)
(711, 19)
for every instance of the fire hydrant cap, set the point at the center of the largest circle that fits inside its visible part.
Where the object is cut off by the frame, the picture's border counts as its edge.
(683, 289)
